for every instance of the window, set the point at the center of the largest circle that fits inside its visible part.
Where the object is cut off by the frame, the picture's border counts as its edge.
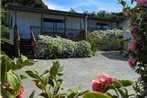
(102, 26)
(53, 26)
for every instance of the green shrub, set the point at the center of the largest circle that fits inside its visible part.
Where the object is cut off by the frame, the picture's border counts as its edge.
(92, 42)
(49, 47)
(82, 49)
(107, 40)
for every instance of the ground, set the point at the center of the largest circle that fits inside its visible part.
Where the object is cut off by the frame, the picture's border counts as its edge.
(81, 71)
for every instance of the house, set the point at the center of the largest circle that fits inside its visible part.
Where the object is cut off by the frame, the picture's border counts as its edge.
(26, 23)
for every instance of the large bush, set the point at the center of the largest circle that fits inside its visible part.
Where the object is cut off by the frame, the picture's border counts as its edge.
(82, 49)
(107, 40)
(49, 47)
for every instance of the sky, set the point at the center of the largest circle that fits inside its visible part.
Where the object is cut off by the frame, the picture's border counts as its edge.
(85, 5)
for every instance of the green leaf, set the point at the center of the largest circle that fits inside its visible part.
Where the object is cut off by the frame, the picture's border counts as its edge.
(32, 94)
(126, 82)
(45, 78)
(23, 77)
(39, 84)
(3, 40)
(54, 71)
(33, 74)
(14, 80)
(51, 82)
(95, 95)
(117, 84)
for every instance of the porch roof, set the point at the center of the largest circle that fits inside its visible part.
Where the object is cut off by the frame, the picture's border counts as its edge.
(62, 13)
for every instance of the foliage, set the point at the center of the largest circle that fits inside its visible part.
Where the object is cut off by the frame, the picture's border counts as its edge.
(50, 82)
(92, 42)
(138, 45)
(49, 47)
(95, 95)
(82, 49)
(31, 3)
(11, 82)
(72, 10)
(107, 40)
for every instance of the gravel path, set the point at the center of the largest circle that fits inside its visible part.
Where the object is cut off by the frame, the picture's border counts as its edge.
(80, 71)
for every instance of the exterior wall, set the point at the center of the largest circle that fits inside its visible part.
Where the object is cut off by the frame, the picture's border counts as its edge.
(11, 22)
(53, 16)
(73, 26)
(25, 20)
(92, 24)
(126, 34)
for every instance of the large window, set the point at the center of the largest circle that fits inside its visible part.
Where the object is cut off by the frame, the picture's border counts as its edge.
(53, 26)
(102, 26)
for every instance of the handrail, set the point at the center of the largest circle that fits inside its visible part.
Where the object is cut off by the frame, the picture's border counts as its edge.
(33, 42)
(17, 41)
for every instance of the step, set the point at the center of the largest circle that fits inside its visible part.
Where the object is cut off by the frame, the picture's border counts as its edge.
(25, 47)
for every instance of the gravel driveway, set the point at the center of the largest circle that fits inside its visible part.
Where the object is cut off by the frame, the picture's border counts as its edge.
(80, 71)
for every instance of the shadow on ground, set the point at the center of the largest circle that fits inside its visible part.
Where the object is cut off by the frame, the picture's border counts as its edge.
(116, 55)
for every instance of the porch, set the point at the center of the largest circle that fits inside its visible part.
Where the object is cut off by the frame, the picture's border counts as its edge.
(69, 33)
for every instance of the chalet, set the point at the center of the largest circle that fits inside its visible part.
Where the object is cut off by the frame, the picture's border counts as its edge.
(26, 23)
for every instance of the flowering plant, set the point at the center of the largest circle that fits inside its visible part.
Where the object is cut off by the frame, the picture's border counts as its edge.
(138, 45)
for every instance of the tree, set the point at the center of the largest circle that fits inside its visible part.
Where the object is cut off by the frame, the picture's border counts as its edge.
(72, 10)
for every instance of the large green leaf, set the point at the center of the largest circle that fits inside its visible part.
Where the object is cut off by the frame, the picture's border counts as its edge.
(45, 78)
(33, 74)
(117, 84)
(95, 95)
(53, 71)
(126, 82)
(4, 40)
(14, 80)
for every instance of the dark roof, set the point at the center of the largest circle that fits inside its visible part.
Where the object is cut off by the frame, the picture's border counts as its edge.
(44, 11)
(57, 12)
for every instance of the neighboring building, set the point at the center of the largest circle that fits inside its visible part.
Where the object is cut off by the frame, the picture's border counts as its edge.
(65, 24)
(31, 22)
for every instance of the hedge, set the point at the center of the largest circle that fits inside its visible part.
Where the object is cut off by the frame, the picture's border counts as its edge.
(57, 47)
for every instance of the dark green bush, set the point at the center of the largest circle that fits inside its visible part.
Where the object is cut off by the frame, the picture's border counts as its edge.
(49, 47)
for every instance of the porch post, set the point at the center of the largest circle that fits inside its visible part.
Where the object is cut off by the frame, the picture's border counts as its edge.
(111, 25)
(86, 27)
(41, 24)
(65, 25)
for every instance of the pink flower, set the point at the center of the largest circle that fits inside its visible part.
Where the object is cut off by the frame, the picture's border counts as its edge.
(96, 86)
(111, 80)
(132, 45)
(6, 86)
(139, 78)
(141, 2)
(133, 30)
(103, 78)
(132, 62)
(21, 92)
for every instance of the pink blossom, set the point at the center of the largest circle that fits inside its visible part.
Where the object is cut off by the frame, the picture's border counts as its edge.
(6, 86)
(133, 30)
(141, 2)
(96, 86)
(21, 92)
(111, 80)
(103, 78)
(132, 62)
(132, 45)
(139, 78)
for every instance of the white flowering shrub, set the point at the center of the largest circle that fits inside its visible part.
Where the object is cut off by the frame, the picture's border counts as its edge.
(83, 49)
(49, 47)
(107, 40)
